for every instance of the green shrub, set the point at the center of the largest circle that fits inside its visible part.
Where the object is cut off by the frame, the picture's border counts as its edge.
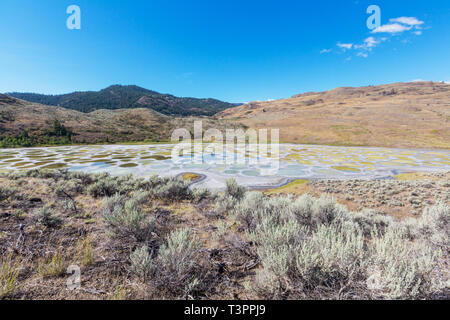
(69, 188)
(224, 205)
(48, 218)
(178, 259)
(105, 187)
(6, 192)
(125, 217)
(201, 194)
(299, 264)
(316, 249)
(403, 269)
(142, 263)
(434, 224)
(234, 190)
(171, 189)
(85, 178)
(176, 270)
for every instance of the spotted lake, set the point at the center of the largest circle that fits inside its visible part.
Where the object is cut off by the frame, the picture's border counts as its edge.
(295, 161)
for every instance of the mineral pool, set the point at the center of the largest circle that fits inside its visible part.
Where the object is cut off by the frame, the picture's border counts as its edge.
(248, 168)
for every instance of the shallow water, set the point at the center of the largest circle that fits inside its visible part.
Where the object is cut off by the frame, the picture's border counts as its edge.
(296, 161)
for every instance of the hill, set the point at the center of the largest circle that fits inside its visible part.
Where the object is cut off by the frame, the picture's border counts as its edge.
(128, 97)
(23, 123)
(415, 115)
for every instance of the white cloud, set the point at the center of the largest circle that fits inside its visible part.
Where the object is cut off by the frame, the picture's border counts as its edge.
(371, 42)
(390, 31)
(345, 45)
(411, 21)
(417, 80)
(362, 54)
(391, 28)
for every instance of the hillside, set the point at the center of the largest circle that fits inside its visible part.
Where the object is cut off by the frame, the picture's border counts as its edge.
(413, 115)
(128, 97)
(31, 121)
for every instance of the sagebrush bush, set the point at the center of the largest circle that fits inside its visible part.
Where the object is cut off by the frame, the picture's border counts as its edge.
(125, 217)
(434, 224)
(298, 263)
(255, 206)
(234, 190)
(85, 178)
(105, 187)
(224, 205)
(369, 220)
(171, 189)
(323, 211)
(142, 263)
(177, 270)
(201, 194)
(68, 188)
(306, 210)
(315, 248)
(48, 218)
(402, 269)
(6, 192)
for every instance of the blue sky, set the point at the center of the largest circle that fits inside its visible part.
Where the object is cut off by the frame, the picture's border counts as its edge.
(232, 50)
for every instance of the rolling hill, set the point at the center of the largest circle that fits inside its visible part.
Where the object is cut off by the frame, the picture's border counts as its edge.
(128, 97)
(24, 123)
(415, 115)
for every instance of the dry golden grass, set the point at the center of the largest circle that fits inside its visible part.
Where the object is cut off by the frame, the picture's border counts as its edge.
(8, 276)
(402, 115)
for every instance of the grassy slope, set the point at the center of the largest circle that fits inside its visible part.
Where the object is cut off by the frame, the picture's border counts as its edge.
(415, 115)
(100, 126)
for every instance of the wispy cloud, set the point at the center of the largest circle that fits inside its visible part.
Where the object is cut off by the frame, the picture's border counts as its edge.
(368, 43)
(325, 51)
(411, 21)
(395, 27)
(371, 42)
(362, 54)
(391, 28)
(399, 25)
(345, 46)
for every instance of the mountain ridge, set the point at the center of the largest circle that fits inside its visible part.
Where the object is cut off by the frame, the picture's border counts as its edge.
(128, 97)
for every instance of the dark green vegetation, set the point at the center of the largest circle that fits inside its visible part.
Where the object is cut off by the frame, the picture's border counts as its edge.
(128, 97)
(159, 239)
(56, 135)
